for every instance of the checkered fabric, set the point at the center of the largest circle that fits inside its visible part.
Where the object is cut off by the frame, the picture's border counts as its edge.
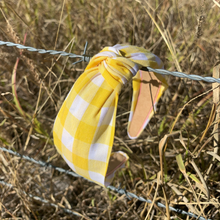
(85, 125)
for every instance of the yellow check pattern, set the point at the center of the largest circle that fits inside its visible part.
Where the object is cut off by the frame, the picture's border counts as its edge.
(85, 125)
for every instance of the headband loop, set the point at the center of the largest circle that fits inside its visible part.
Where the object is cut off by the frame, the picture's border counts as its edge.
(85, 125)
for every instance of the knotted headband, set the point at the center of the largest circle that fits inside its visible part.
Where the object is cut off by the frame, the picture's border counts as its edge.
(85, 125)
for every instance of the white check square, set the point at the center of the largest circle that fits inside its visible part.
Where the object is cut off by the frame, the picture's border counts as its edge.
(98, 80)
(97, 177)
(98, 152)
(106, 116)
(67, 139)
(78, 107)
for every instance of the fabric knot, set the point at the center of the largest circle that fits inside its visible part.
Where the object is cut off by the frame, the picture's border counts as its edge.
(85, 125)
(113, 65)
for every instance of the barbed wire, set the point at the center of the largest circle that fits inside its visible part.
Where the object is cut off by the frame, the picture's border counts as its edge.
(41, 163)
(85, 58)
(44, 201)
(184, 75)
(119, 190)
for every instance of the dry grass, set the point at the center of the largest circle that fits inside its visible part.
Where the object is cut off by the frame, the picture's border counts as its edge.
(184, 34)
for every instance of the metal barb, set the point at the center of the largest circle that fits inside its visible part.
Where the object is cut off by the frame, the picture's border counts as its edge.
(85, 58)
(129, 195)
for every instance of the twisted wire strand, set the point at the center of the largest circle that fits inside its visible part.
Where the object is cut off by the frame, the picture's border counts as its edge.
(184, 75)
(129, 195)
(43, 200)
(52, 52)
(85, 58)
(41, 163)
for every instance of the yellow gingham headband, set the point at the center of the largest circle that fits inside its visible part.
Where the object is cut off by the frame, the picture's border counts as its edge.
(85, 125)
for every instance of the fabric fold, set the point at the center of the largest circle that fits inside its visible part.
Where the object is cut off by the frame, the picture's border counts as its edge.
(85, 125)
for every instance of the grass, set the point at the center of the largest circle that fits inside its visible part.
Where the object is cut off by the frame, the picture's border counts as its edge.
(172, 168)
